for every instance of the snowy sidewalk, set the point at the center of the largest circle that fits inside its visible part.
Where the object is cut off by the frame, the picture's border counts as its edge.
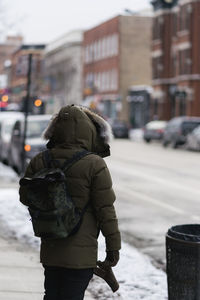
(21, 275)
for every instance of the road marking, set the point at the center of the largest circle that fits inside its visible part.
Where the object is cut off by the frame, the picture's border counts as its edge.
(149, 199)
(143, 197)
(124, 170)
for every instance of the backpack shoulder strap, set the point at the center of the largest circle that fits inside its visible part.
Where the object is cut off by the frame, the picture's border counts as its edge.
(49, 161)
(47, 158)
(76, 157)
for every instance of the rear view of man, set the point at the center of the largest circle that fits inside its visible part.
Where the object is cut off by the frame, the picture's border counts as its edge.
(69, 262)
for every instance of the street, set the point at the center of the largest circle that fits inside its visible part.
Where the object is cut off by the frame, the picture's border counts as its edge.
(156, 188)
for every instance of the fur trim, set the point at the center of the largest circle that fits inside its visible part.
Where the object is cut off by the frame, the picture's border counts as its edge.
(104, 126)
(48, 132)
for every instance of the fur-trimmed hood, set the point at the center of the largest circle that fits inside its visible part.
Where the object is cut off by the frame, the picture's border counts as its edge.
(77, 126)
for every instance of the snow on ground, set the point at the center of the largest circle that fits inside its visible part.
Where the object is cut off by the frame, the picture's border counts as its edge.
(138, 278)
(7, 174)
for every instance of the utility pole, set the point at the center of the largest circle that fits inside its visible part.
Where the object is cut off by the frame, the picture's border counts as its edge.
(26, 109)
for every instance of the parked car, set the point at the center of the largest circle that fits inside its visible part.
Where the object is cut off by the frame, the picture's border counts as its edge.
(120, 129)
(177, 130)
(34, 142)
(193, 139)
(154, 130)
(7, 120)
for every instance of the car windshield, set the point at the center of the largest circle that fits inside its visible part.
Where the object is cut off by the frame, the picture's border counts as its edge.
(119, 124)
(36, 128)
(189, 126)
(8, 129)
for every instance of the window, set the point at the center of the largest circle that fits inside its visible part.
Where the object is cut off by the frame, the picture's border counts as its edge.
(100, 81)
(185, 17)
(95, 51)
(109, 74)
(98, 49)
(114, 44)
(113, 79)
(91, 79)
(157, 67)
(185, 62)
(103, 47)
(158, 28)
(103, 81)
(106, 81)
(106, 47)
(175, 24)
(109, 41)
(173, 64)
(91, 53)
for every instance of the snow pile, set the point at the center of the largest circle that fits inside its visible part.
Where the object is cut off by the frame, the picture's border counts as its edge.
(137, 277)
(7, 174)
(15, 217)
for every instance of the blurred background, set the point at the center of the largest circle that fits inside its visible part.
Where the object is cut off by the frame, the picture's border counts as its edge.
(136, 63)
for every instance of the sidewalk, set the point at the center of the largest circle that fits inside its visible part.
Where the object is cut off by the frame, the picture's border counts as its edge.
(21, 275)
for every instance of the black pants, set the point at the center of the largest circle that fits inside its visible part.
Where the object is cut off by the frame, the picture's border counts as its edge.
(66, 284)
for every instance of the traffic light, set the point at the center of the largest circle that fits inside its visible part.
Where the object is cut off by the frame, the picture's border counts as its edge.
(4, 98)
(38, 102)
(38, 106)
(35, 106)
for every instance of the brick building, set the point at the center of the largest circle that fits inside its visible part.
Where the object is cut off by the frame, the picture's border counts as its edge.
(6, 49)
(175, 58)
(116, 56)
(19, 68)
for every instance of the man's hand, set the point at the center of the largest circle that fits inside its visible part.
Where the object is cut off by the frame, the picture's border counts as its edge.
(111, 260)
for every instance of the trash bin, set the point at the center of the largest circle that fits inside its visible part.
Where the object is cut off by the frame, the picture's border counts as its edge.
(183, 262)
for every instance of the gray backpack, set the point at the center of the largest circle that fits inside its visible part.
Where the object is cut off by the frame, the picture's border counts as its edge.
(53, 212)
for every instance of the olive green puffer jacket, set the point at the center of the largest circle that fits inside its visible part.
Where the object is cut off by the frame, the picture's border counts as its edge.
(71, 131)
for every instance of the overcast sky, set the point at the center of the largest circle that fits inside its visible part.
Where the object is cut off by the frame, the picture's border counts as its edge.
(41, 21)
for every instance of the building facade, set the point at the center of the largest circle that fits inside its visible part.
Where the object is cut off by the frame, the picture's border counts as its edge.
(63, 71)
(116, 56)
(18, 71)
(175, 58)
(6, 49)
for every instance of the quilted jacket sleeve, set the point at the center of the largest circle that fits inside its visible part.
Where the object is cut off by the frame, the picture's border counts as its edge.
(103, 197)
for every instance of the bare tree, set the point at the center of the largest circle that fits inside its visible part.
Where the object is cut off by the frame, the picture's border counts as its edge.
(7, 22)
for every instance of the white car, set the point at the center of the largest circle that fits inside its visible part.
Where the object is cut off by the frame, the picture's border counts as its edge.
(34, 142)
(7, 120)
(193, 139)
(154, 130)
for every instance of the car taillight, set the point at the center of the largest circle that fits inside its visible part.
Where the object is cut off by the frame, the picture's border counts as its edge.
(160, 130)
